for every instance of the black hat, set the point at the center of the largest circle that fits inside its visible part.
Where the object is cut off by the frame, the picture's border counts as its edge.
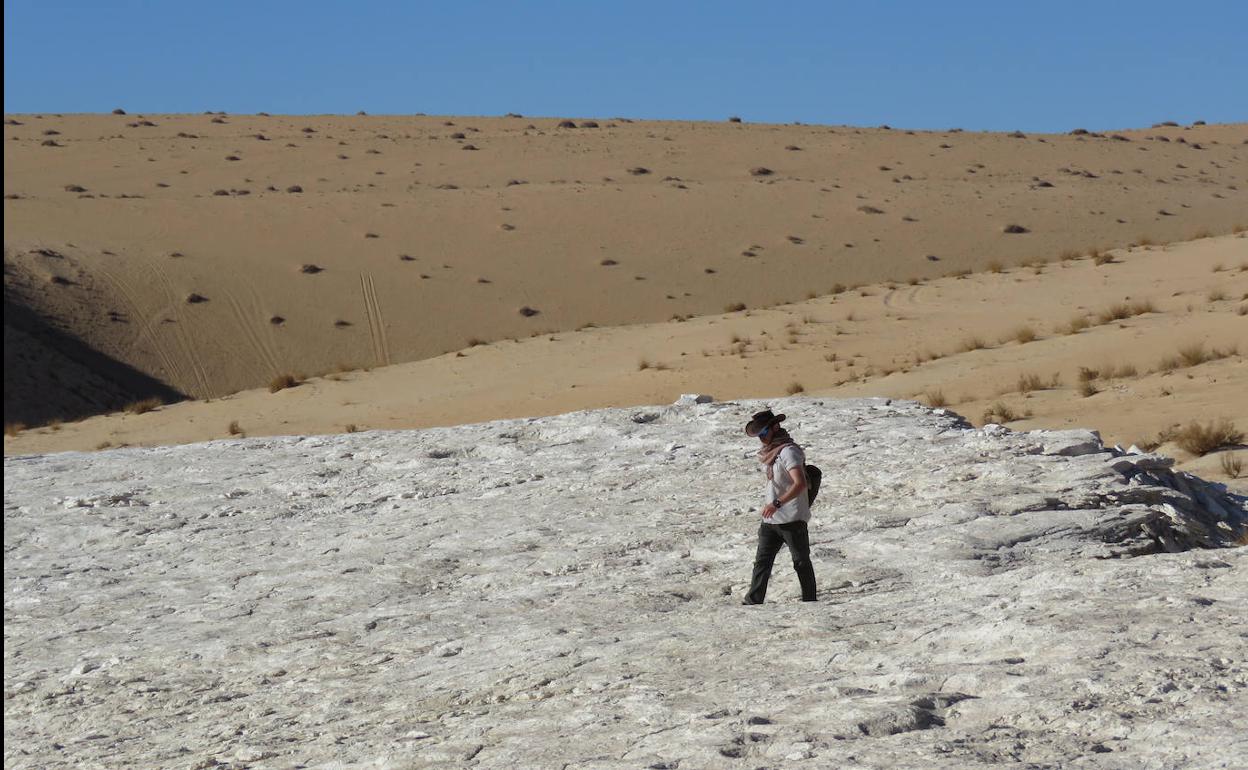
(762, 420)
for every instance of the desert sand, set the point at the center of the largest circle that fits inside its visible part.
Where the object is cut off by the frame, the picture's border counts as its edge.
(207, 254)
(564, 592)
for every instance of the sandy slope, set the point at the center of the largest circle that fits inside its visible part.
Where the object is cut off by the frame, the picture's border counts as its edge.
(534, 213)
(812, 343)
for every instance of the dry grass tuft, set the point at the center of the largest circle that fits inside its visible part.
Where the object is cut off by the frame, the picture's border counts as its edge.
(972, 343)
(1088, 388)
(995, 267)
(735, 307)
(234, 429)
(1000, 413)
(1193, 354)
(935, 398)
(12, 429)
(794, 388)
(1122, 310)
(144, 406)
(1201, 439)
(1102, 258)
(1029, 382)
(283, 381)
(350, 428)
(1233, 466)
(1024, 334)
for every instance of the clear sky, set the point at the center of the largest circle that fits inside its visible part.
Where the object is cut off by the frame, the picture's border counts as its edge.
(1050, 65)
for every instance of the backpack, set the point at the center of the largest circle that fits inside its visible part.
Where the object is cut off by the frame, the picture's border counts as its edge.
(814, 477)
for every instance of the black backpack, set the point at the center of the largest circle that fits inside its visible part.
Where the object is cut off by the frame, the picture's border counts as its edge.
(814, 477)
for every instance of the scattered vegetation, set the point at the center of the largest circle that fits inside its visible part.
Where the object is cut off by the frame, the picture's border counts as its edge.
(1024, 334)
(1194, 354)
(972, 343)
(12, 429)
(1201, 438)
(1233, 466)
(1122, 310)
(143, 406)
(1000, 413)
(234, 429)
(935, 398)
(794, 388)
(284, 381)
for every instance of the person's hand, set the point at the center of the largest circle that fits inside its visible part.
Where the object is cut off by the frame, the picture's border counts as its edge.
(769, 510)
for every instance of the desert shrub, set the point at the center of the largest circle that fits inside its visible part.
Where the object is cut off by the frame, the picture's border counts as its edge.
(1013, 229)
(350, 428)
(638, 170)
(234, 429)
(144, 406)
(643, 365)
(1193, 354)
(935, 398)
(1122, 310)
(528, 312)
(1000, 412)
(870, 210)
(1024, 335)
(12, 429)
(794, 388)
(1029, 382)
(1201, 439)
(995, 266)
(761, 171)
(1233, 466)
(1102, 258)
(195, 299)
(1216, 295)
(1088, 388)
(282, 382)
(972, 343)
(734, 307)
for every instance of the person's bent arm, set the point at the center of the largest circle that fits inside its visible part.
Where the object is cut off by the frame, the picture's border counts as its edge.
(799, 486)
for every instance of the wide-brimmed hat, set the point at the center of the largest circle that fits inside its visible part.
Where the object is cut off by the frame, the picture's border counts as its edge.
(762, 420)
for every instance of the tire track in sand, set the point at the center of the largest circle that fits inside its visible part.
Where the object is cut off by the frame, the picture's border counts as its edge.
(376, 321)
(175, 374)
(249, 333)
(184, 344)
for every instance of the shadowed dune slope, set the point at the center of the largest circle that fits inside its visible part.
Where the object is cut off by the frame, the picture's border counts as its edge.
(213, 253)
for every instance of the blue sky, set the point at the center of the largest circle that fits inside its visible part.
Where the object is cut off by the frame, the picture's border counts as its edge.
(1040, 66)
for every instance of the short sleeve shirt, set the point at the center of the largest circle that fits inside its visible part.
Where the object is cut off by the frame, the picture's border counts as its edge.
(797, 509)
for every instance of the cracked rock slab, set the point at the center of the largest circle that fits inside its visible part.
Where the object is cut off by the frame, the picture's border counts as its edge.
(565, 592)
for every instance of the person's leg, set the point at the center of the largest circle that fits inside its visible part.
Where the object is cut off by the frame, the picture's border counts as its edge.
(797, 538)
(769, 543)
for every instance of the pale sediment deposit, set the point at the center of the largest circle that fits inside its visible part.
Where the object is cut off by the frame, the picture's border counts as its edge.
(565, 592)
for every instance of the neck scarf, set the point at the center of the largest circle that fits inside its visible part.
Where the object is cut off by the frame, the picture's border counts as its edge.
(777, 440)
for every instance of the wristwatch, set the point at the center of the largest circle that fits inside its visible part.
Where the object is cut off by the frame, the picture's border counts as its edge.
(776, 503)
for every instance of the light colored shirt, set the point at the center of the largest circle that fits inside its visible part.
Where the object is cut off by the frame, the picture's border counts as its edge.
(797, 509)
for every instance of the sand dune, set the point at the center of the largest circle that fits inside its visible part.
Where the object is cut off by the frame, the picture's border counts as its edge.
(899, 340)
(213, 253)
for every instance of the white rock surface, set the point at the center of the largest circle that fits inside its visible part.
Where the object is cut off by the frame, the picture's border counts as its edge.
(564, 592)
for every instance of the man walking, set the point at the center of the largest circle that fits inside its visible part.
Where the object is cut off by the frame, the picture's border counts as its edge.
(786, 509)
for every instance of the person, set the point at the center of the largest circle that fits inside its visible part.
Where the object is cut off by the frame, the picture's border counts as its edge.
(786, 510)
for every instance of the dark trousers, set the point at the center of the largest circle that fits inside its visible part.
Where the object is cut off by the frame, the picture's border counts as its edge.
(770, 538)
